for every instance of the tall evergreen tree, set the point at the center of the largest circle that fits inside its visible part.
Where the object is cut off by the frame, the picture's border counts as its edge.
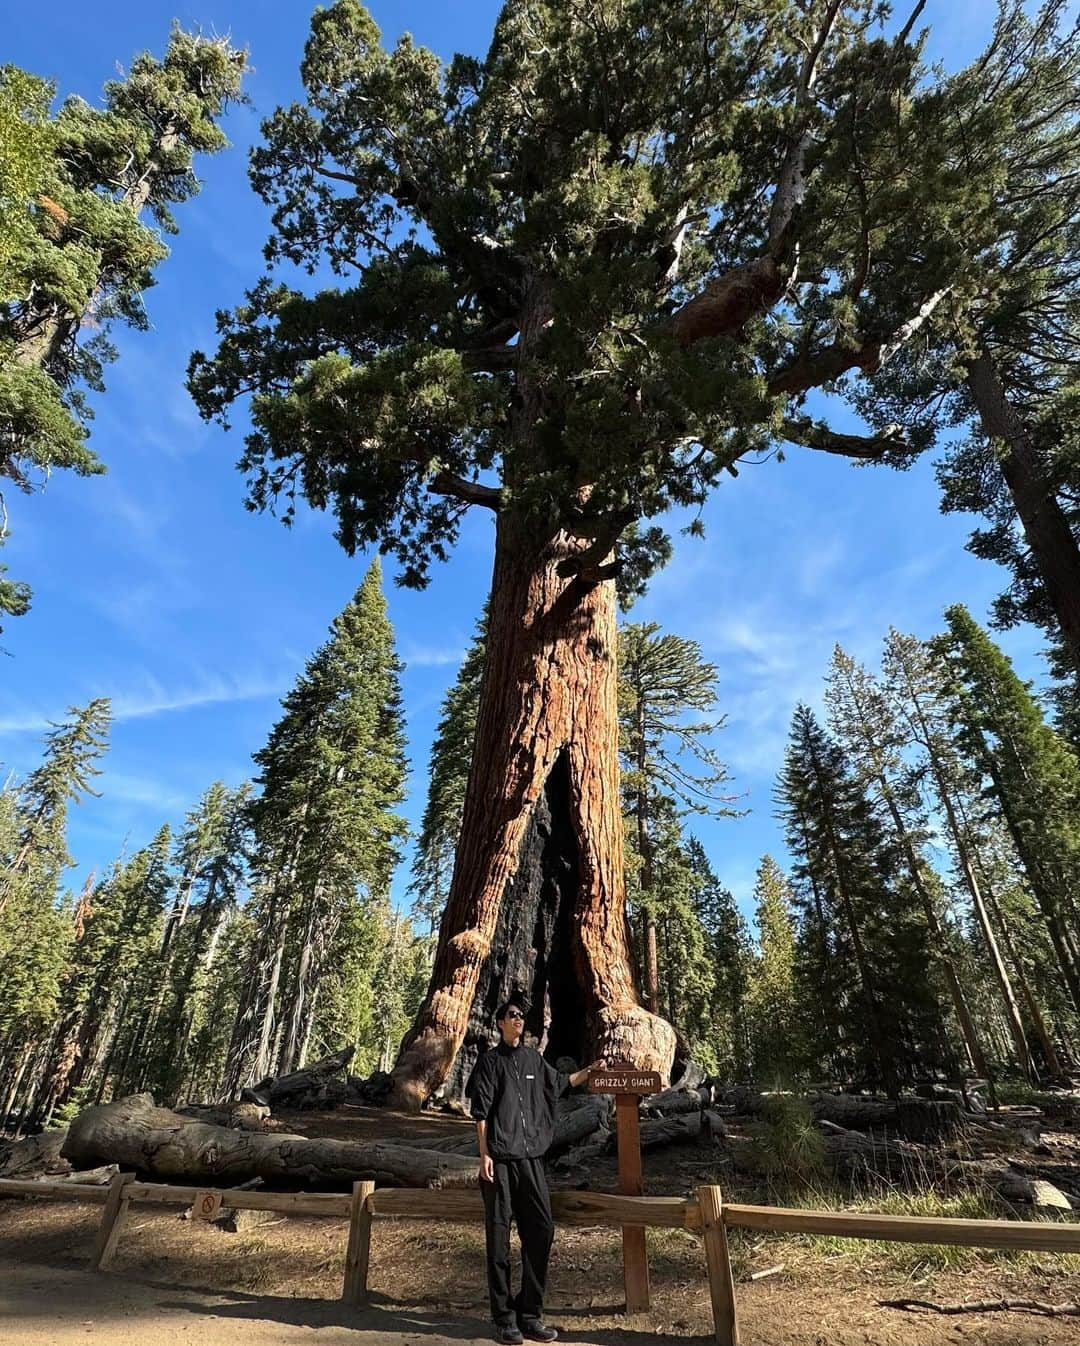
(35, 923)
(83, 256)
(773, 1003)
(325, 831)
(40, 843)
(646, 235)
(663, 680)
(1033, 773)
(727, 948)
(108, 981)
(917, 686)
(1002, 349)
(873, 737)
(863, 939)
(448, 774)
(209, 857)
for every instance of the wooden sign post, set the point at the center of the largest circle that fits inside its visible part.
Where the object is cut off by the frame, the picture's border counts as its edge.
(628, 1084)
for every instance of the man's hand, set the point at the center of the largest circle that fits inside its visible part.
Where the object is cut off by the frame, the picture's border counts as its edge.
(580, 1076)
(487, 1168)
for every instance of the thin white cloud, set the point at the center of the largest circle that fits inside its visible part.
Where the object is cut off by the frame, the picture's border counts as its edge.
(420, 656)
(119, 787)
(154, 699)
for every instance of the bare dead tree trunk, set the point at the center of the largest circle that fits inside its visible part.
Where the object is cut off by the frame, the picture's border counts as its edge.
(1038, 1022)
(1012, 1011)
(547, 706)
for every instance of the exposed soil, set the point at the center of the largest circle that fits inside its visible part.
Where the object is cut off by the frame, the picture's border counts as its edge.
(174, 1279)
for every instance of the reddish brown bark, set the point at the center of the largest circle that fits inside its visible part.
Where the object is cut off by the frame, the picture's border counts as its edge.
(548, 700)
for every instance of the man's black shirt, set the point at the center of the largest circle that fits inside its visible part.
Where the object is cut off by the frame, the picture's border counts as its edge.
(514, 1089)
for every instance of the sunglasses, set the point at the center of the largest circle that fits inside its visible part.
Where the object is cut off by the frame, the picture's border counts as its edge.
(515, 1014)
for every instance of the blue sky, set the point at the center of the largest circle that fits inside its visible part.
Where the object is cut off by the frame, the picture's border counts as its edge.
(153, 586)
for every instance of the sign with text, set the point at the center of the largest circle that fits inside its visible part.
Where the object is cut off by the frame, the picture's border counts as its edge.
(615, 1080)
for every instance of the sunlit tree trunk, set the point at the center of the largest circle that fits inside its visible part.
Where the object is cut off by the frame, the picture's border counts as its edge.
(547, 718)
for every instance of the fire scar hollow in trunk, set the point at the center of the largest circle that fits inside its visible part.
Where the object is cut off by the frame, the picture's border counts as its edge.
(536, 903)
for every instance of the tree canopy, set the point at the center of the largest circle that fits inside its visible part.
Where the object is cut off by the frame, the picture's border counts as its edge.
(583, 275)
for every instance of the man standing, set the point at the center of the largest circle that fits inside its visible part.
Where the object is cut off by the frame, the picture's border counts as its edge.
(512, 1090)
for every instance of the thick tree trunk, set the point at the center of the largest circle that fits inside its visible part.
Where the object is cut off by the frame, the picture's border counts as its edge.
(547, 725)
(136, 1134)
(1053, 547)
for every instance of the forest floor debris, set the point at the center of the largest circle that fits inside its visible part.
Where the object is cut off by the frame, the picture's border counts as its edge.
(278, 1281)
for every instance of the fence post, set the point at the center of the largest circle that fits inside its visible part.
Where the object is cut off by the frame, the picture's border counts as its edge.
(355, 1288)
(721, 1282)
(112, 1220)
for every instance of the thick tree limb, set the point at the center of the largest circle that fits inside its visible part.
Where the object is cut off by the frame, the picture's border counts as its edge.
(469, 492)
(816, 435)
(750, 290)
(829, 363)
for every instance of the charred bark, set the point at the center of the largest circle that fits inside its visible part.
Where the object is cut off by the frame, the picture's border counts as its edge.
(547, 729)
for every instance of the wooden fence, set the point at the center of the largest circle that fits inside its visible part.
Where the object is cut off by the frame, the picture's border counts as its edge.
(707, 1212)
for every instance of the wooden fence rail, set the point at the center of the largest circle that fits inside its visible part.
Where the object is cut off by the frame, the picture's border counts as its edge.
(707, 1212)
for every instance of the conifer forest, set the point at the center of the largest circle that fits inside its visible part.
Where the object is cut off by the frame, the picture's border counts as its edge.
(543, 305)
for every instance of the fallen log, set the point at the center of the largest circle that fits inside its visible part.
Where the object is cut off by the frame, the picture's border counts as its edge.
(918, 1119)
(241, 1116)
(656, 1132)
(91, 1177)
(282, 1088)
(674, 1101)
(36, 1155)
(846, 1150)
(136, 1134)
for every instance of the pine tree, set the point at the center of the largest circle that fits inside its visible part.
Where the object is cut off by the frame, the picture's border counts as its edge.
(72, 749)
(871, 734)
(1001, 351)
(35, 921)
(725, 1033)
(917, 686)
(861, 938)
(210, 858)
(772, 997)
(108, 980)
(83, 255)
(26, 150)
(448, 774)
(1034, 775)
(566, 267)
(325, 832)
(663, 680)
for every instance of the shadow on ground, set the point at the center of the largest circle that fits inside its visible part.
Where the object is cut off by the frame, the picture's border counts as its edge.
(391, 1316)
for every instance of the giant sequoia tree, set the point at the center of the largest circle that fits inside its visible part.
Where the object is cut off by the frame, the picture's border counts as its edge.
(578, 280)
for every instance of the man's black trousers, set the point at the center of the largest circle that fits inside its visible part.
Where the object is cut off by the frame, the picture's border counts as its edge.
(520, 1192)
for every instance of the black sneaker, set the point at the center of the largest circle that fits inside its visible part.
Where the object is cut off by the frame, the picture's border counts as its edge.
(509, 1334)
(536, 1330)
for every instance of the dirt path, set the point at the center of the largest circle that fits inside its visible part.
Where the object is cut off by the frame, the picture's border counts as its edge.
(50, 1298)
